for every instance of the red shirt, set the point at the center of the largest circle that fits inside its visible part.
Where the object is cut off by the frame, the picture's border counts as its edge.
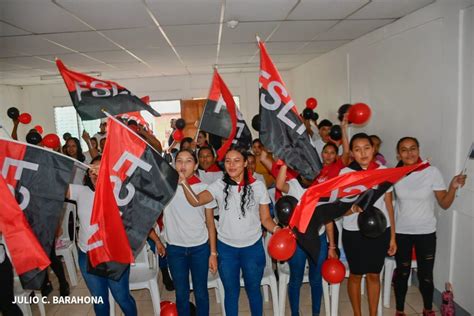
(329, 171)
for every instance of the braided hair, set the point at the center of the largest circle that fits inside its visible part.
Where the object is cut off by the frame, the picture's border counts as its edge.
(247, 196)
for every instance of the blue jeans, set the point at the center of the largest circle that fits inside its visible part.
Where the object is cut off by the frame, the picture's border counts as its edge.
(99, 286)
(251, 260)
(181, 260)
(297, 265)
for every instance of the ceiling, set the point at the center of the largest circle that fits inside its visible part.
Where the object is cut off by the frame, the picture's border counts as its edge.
(144, 38)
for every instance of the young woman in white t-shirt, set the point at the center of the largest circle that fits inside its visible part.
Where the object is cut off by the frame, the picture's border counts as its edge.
(97, 285)
(416, 197)
(243, 208)
(366, 255)
(187, 237)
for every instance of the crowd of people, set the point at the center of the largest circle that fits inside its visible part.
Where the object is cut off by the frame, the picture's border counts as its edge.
(216, 220)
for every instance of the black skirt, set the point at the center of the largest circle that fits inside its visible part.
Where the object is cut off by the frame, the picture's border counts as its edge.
(365, 255)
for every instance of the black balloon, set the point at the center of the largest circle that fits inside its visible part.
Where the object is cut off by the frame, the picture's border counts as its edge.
(13, 113)
(307, 114)
(180, 124)
(342, 110)
(33, 137)
(336, 132)
(284, 208)
(66, 136)
(314, 116)
(256, 122)
(372, 222)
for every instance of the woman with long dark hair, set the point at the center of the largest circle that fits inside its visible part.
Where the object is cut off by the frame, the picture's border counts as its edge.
(366, 255)
(243, 208)
(187, 239)
(416, 197)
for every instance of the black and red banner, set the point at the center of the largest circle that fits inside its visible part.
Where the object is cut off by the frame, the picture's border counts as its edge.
(90, 95)
(281, 129)
(331, 199)
(221, 117)
(134, 185)
(39, 179)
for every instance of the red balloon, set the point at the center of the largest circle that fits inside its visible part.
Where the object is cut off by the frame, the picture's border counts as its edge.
(39, 129)
(311, 103)
(51, 141)
(359, 113)
(282, 245)
(24, 118)
(164, 303)
(178, 135)
(169, 310)
(333, 271)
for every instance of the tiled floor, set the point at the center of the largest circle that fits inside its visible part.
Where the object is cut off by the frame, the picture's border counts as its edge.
(413, 306)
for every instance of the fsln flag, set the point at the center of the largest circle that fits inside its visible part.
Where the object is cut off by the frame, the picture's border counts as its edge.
(27, 254)
(331, 199)
(134, 185)
(281, 129)
(221, 117)
(90, 96)
(39, 179)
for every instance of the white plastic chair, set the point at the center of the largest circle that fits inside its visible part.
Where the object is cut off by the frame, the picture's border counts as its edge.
(284, 279)
(334, 291)
(143, 275)
(69, 251)
(390, 265)
(269, 279)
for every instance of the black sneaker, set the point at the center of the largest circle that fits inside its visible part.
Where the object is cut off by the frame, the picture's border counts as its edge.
(64, 290)
(47, 289)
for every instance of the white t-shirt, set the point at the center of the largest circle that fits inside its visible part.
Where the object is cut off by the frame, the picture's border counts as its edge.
(185, 225)
(258, 177)
(233, 228)
(84, 198)
(415, 201)
(210, 177)
(297, 191)
(349, 222)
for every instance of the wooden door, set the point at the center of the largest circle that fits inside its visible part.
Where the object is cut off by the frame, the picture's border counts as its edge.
(191, 111)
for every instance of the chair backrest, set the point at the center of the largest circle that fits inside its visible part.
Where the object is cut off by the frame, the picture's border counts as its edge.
(268, 259)
(146, 257)
(69, 211)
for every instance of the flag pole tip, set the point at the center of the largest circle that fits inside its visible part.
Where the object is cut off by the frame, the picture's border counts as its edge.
(257, 37)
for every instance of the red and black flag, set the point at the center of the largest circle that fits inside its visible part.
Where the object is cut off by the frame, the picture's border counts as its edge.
(90, 95)
(134, 185)
(331, 199)
(39, 179)
(221, 117)
(281, 129)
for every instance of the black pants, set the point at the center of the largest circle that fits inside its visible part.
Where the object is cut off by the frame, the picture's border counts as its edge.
(57, 267)
(6, 290)
(425, 248)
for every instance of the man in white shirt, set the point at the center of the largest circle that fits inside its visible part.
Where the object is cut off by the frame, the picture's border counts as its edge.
(324, 128)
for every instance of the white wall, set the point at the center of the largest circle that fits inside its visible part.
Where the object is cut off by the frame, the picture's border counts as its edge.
(10, 96)
(39, 100)
(416, 74)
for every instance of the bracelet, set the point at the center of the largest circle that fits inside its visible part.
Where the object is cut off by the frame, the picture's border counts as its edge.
(213, 253)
